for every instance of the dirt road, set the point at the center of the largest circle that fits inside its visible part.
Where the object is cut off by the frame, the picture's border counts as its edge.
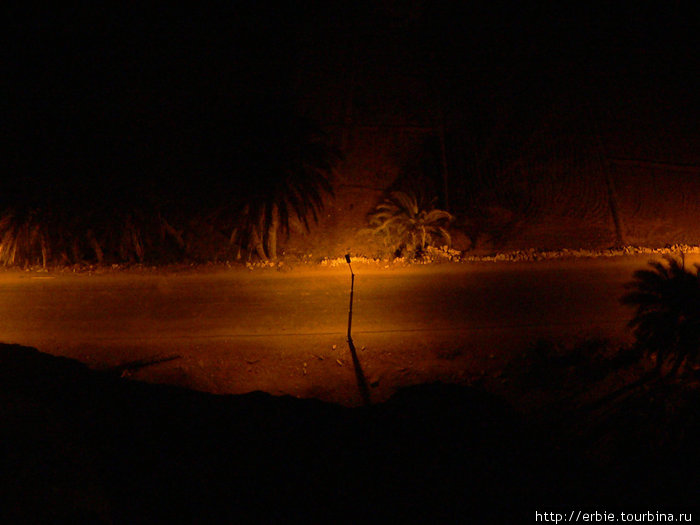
(236, 331)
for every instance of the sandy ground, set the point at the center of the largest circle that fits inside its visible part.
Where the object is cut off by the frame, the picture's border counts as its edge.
(232, 331)
(466, 423)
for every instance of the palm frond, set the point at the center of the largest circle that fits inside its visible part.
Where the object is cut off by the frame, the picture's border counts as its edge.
(405, 222)
(666, 323)
(288, 164)
(25, 237)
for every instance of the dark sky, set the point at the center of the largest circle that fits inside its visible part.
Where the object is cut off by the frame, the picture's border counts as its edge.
(94, 94)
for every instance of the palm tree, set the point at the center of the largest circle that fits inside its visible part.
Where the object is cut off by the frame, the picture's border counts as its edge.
(24, 236)
(36, 228)
(129, 233)
(406, 221)
(285, 173)
(667, 320)
(102, 228)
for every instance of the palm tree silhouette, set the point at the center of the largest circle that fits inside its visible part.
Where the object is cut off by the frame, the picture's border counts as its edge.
(128, 232)
(99, 227)
(25, 237)
(407, 221)
(667, 319)
(36, 228)
(286, 173)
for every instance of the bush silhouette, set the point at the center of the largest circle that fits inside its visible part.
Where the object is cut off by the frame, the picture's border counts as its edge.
(408, 223)
(666, 323)
(285, 170)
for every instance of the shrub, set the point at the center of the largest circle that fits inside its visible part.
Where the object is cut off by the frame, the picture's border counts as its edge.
(666, 323)
(406, 223)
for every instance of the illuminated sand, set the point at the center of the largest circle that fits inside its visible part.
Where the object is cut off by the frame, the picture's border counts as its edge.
(236, 331)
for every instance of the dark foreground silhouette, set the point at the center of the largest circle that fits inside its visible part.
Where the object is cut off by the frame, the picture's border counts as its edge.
(80, 445)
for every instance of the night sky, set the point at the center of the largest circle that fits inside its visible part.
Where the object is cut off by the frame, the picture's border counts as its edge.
(100, 100)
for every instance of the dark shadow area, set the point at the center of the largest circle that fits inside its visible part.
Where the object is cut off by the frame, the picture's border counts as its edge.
(92, 446)
(359, 374)
(128, 368)
(78, 445)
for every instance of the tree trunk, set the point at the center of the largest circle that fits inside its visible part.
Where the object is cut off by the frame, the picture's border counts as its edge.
(257, 243)
(443, 152)
(443, 165)
(606, 169)
(44, 251)
(272, 233)
(348, 125)
(95, 245)
(614, 210)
